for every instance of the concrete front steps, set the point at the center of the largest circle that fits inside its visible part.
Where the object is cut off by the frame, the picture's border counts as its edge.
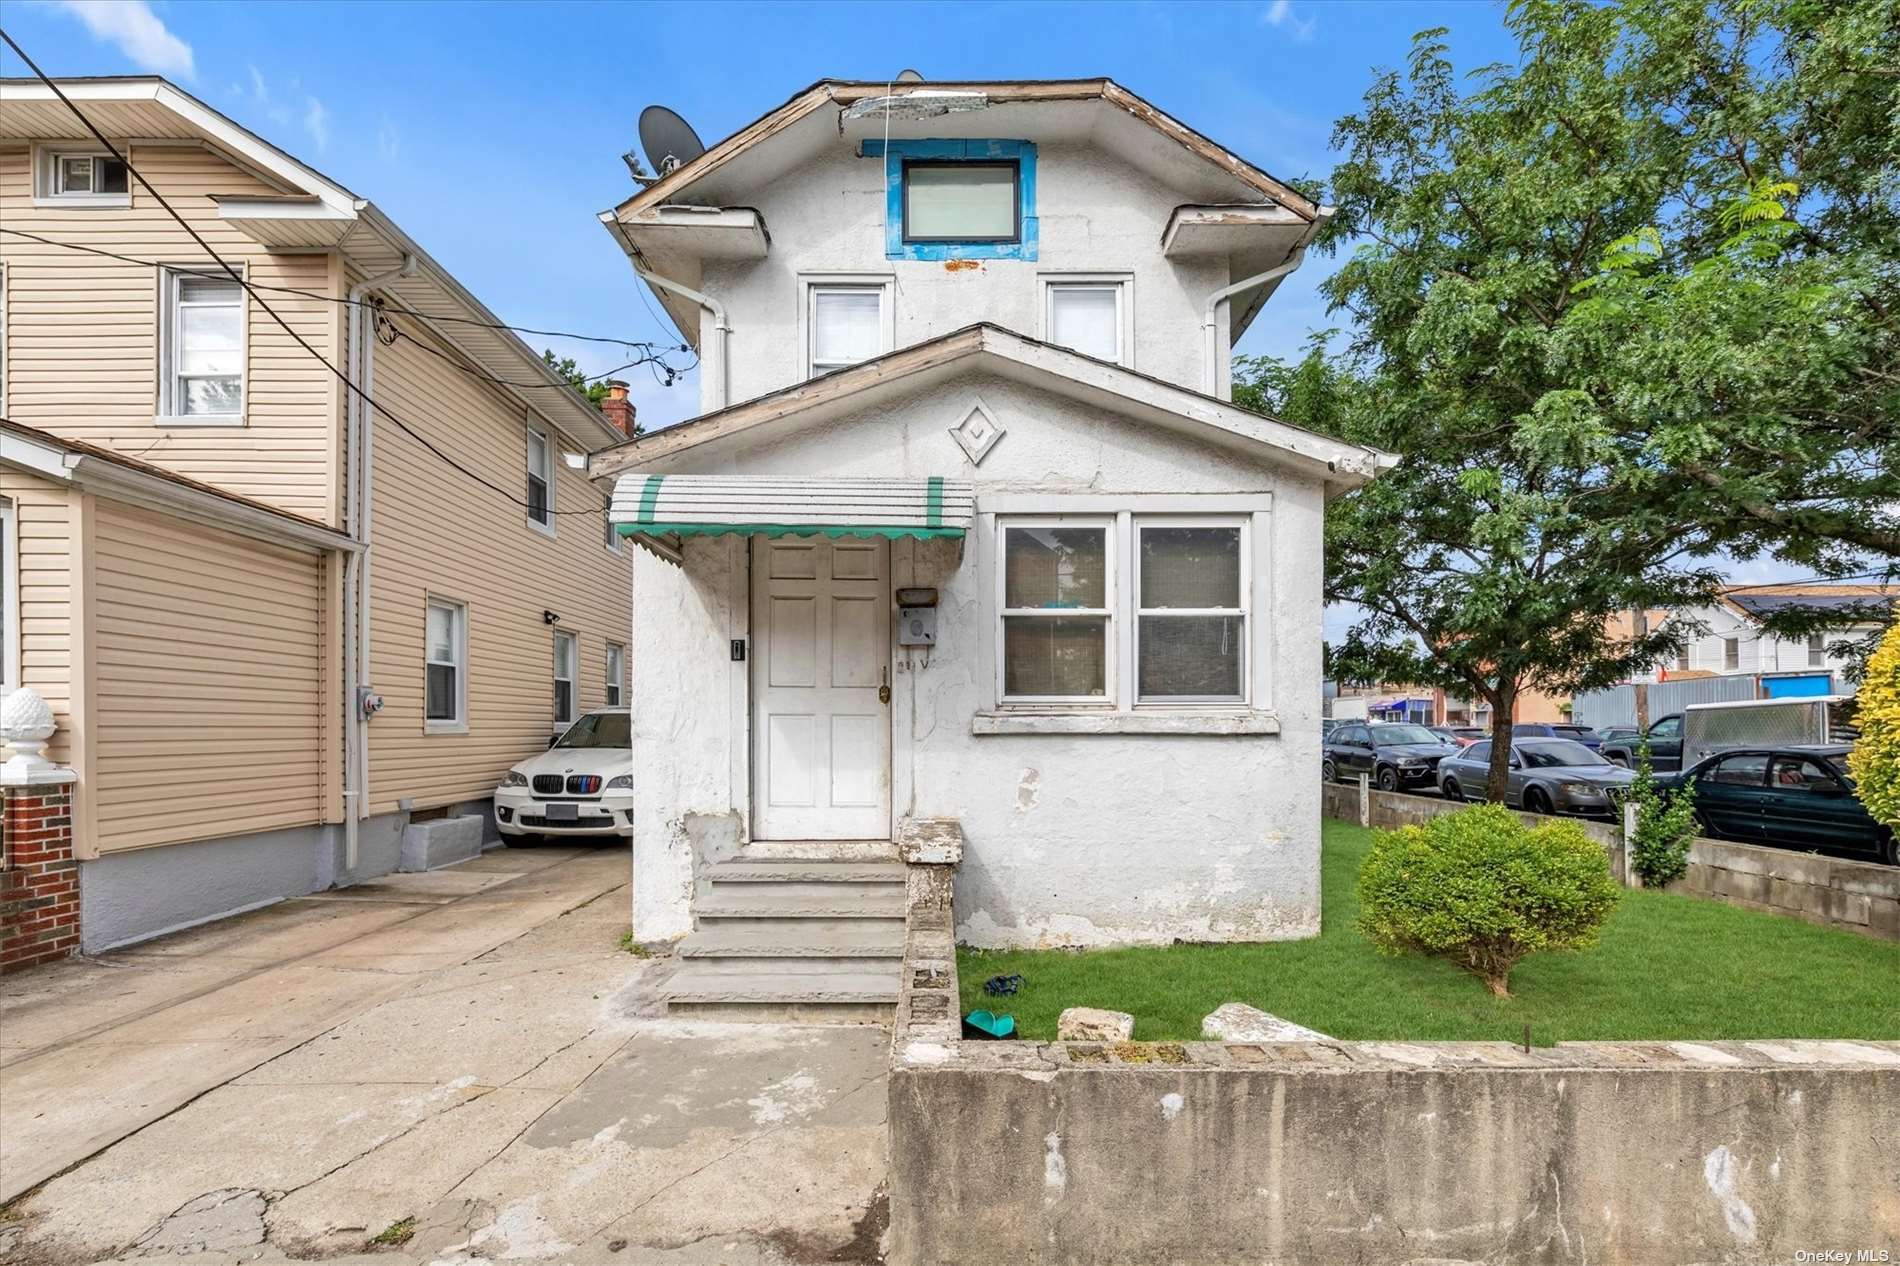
(791, 938)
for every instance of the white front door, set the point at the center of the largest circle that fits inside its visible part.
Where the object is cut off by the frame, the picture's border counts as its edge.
(821, 734)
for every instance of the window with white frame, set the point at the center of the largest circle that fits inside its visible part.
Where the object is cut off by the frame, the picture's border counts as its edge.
(1817, 650)
(1682, 660)
(846, 321)
(1088, 315)
(566, 655)
(616, 674)
(1070, 631)
(9, 601)
(1057, 608)
(202, 351)
(1731, 653)
(540, 479)
(446, 664)
(82, 177)
(1190, 611)
(606, 516)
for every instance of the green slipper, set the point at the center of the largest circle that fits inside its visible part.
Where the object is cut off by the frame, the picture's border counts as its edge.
(983, 1024)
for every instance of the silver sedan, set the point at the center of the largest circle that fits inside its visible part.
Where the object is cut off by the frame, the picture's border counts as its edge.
(1547, 776)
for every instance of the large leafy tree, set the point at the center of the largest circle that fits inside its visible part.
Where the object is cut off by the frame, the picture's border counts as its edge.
(1622, 306)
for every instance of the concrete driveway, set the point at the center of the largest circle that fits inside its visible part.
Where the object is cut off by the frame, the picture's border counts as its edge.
(450, 1067)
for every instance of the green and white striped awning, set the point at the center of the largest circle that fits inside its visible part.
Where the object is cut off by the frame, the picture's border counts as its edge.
(720, 505)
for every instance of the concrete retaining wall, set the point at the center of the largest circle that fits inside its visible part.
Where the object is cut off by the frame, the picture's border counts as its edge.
(1859, 896)
(1368, 1152)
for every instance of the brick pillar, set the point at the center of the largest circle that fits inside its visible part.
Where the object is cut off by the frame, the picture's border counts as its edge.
(39, 880)
(619, 409)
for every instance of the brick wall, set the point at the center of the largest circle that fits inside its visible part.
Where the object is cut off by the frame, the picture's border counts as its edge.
(39, 880)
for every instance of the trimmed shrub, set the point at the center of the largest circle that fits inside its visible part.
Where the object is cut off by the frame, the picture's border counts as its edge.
(1875, 760)
(1480, 888)
(1665, 825)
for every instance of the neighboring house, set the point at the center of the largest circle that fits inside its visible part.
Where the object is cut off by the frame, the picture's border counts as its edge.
(1726, 638)
(966, 353)
(1430, 705)
(185, 520)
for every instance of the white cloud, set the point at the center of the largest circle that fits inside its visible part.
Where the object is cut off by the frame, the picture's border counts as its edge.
(1280, 15)
(137, 31)
(316, 121)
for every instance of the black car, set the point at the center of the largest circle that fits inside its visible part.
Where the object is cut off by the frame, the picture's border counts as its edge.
(1610, 735)
(1396, 755)
(1798, 796)
(1665, 746)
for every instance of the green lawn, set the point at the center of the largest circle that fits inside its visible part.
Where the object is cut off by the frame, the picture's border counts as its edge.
(1667, 966)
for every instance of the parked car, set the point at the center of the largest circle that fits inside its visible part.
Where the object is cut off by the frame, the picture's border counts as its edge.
(1547, 776)
(1459, 735)
(1551, 729)
(1665, 746)
(582, 785)
(1611, 735)
(1396, 755)
(1796, 796)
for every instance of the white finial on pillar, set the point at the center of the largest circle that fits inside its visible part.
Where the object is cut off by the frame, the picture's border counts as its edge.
(25, 725)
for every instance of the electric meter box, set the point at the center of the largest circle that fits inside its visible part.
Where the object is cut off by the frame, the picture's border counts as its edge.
(916, 617)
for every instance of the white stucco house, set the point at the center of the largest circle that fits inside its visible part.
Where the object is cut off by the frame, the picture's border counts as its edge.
(968, 534)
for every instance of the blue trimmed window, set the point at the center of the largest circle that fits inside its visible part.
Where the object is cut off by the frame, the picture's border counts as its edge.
(930, 186)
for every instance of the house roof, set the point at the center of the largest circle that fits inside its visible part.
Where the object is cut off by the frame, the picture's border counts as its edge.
(307, 210)
(1338, 464)
(128, 478)
(1759, 601)
(847, 93)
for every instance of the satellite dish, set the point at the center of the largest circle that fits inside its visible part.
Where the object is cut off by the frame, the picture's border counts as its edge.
(909, 77)
(668, 139)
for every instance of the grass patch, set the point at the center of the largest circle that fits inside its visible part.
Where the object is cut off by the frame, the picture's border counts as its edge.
(395, 1235)
(1668, 966)
(632, 946)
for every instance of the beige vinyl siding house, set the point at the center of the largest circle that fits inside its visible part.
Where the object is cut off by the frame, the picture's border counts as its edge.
(187, 540)
(83, 345)
(506, 574)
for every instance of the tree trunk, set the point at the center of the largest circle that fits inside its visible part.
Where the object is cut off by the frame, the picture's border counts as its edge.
(1500, 986)
(1497, 781)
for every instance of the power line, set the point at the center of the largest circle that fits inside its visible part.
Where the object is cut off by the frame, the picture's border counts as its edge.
(238, 277)
(340, 299)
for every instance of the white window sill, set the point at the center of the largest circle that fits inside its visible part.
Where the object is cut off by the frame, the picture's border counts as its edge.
(119, 200)
(545, 529)
(445, 727)
(1174, 721)
(200, 419)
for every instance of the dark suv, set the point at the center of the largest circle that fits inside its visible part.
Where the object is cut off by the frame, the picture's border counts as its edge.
(1397, 755)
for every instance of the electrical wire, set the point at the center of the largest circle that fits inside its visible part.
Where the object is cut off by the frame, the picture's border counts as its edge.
(651, 350)
(238, 277)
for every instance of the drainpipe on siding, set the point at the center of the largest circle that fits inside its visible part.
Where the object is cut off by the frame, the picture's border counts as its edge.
(1210, 324)
(715, 364)
(356, 570)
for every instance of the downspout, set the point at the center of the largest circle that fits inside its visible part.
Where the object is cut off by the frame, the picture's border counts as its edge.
(356, 571)
(1210, 323)
(722, 331)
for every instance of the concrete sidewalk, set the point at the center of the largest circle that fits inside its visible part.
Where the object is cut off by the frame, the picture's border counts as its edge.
(463, 1063)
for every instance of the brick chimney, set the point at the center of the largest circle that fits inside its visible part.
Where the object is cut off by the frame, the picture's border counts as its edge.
(617, 407)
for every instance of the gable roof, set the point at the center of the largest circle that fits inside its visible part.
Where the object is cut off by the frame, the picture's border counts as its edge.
(1340, 465)
(846, 93)
(309, 211)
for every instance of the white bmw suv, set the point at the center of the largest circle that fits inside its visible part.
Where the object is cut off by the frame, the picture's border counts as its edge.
(583, 785)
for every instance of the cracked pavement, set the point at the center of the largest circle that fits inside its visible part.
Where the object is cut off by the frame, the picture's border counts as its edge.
(463, 1063)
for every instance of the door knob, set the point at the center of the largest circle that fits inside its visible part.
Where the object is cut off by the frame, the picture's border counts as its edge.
(884, 685)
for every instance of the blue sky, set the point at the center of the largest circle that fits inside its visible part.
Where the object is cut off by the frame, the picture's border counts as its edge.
(396, 100)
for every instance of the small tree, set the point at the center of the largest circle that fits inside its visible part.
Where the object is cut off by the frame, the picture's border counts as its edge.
(1665, 824)
(1482, 889)
(1875, 760)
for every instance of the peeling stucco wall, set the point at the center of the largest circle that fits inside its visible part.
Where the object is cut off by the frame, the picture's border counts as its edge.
(1071, 839)
(1098, 214)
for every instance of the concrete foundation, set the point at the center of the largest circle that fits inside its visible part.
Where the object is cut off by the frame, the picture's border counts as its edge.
(440, 842)
(136, 895)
